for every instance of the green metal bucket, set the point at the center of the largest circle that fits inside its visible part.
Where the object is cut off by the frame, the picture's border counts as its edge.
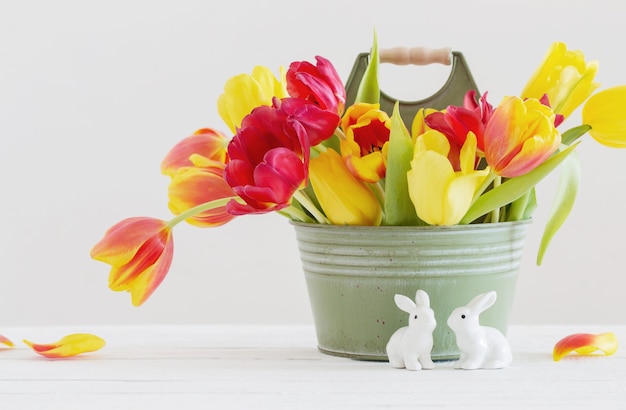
(353, 272)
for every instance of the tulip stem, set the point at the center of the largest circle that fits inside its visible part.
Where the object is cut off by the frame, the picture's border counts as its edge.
(296, 214)
(306, 202)
(485, 185)
(339, 133)
(495, 214)
(199, 209)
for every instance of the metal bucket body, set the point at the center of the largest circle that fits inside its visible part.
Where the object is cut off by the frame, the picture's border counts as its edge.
(353, 272)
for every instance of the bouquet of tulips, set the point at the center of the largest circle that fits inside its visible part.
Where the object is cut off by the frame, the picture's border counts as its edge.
(298, 150)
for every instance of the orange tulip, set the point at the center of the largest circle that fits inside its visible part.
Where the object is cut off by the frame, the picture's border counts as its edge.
(519, 136)
(140, 252)
(367, 133)
(204, 145)
(192, 186)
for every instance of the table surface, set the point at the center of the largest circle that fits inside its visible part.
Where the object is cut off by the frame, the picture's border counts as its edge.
(279, 367)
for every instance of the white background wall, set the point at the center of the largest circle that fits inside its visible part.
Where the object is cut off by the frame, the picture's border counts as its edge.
(94, 93)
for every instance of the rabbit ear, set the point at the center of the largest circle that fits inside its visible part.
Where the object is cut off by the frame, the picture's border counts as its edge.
(404, 303)
(482, 302)
(421, 298)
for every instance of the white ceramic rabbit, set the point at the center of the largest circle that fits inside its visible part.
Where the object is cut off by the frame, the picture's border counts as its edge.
(481, 347)
(410, 346)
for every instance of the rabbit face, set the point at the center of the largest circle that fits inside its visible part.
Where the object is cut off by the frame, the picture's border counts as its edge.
(462, 318)
(420, 314)
(424, 318)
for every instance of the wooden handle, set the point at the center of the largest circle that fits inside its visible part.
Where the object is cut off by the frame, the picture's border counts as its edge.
(416, 55)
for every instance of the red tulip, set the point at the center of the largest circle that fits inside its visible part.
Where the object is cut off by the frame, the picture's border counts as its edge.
(457, 121)
(269, 159)
(318, 84)
(319, 124)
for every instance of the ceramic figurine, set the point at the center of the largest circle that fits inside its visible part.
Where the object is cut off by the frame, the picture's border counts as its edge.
(481, 347)
(410, 346)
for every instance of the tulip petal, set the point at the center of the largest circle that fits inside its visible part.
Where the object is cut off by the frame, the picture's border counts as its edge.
(192, 186)
(430, 173)
(204, 145)
(6, 341)
(440, 195)
(367, 131)
(68, 346)
(140, 252)
(604, 112)
(345, 199)
(244, 92)
(585, 344)
(519, 136)
(319, 84)
(565, 77)
(122, 241)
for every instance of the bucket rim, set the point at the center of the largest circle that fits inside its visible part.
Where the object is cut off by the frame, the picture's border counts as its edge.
(407, 228)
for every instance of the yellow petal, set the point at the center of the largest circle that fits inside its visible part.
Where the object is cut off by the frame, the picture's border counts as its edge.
(433, 140)
(68, 346)
(345, 199)
(418, 127)
(604, 113)
(468, 153)
(577, 88)
(440, 195)
(244, 92)
(585, 344)
(6, 341)
(428, 181)
(565, 77)
(268, 83)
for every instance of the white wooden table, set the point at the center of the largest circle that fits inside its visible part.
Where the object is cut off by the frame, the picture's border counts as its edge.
(279, 367)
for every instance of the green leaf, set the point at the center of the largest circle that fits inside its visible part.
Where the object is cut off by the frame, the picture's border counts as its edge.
(523, 207)
(563, 202)
(518, 208)
(399, 209)
(531, 204)
(369, 90)
(514, 188)
(571, 135)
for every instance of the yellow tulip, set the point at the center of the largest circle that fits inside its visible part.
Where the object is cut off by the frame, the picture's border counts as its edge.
(604, 112)
(440, 195)
(244, 92)
(344, 199)
(565, 77)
